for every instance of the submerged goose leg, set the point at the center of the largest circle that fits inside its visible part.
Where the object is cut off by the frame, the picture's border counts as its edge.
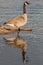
(18, 32)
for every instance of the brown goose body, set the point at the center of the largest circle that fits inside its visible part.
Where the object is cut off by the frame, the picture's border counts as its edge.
(18, 21)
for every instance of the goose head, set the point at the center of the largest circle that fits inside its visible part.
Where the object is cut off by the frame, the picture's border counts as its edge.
(26, 3)
(24, 6)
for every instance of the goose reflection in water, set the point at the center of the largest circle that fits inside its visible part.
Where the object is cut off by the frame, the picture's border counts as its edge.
(18, 43)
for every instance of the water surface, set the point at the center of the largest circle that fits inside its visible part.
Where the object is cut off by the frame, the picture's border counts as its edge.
(10, 55)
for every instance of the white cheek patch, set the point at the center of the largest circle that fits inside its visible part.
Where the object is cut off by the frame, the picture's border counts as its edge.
(11, 25)
(25, 3)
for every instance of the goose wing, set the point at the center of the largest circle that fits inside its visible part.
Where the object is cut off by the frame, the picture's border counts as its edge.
(18, 21)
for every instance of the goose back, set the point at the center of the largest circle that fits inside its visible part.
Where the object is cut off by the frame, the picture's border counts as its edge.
(18, 21)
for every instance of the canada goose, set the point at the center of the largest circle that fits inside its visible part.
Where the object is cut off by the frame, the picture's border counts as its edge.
(18, 43)
(19, 20)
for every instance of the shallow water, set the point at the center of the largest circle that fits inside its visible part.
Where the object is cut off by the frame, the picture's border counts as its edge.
(13, 56)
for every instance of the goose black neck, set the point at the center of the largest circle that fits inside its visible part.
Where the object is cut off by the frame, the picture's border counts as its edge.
(24, 8)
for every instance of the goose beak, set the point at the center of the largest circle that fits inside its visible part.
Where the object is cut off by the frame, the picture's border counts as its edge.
(28, 3)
